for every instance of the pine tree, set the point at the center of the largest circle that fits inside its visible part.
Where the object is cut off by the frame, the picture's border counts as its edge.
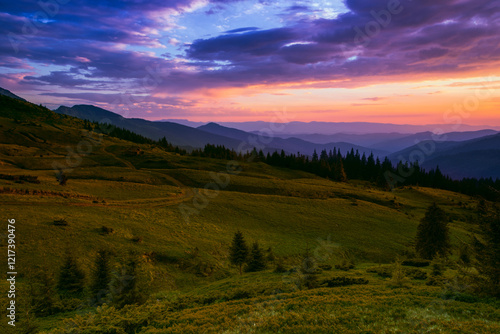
(42, 295)
(71, 278)
(270, 255)
(432, 234)
(256, 261)
(487, 256)
(308, 268)
(101, 277)
(238, 250)
(124, 285)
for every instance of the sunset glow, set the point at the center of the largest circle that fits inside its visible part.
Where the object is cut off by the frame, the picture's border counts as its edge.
(383, 61)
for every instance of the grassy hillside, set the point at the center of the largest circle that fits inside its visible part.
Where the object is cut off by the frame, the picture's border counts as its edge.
(130, 198)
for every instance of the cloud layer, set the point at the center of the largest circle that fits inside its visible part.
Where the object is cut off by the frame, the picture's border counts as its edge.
(95, 47)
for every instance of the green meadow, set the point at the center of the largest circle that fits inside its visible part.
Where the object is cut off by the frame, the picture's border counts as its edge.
(136, 204)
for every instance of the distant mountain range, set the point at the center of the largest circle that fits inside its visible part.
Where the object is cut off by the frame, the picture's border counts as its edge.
(291, 145)
(477, 158)
(296, 129)
(458, 154)
(211, 133)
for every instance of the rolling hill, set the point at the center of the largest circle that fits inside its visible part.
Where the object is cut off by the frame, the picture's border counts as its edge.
(212, 133)
(8, 93)
(177, 134)
(135, 205)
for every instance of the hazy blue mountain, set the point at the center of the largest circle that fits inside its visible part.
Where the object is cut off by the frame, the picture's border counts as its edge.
(397, 144)
(366, 140)
(478, 157)
(176, 134)
(291, 145)
(10, 94)
(183, 122)
(329, 128)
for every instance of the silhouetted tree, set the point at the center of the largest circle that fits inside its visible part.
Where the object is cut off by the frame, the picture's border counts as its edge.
(238, 250)
(124, 288)
(432, 234)
(61, 178)
(101, 277)
(256, 261)
(71, 277)
(42, 292)
(309, 277)
(487, 255)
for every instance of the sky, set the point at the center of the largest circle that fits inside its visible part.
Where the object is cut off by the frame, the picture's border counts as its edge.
(389, 61)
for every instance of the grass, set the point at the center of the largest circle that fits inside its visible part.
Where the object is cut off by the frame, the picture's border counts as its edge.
(138, 197)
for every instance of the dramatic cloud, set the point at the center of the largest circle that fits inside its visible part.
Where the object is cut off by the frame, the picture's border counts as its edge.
(190, 46)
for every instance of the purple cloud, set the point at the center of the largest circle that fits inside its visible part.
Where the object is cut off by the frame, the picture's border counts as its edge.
(88, 44)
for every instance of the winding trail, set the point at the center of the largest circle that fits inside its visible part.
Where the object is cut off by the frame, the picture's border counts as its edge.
(185, 194)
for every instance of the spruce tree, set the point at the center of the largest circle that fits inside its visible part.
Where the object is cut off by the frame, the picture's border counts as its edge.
(101, 277)
(487, 256)
(124, 285)
(71, 277)
(270, 255)
(309, 277)
(42, 295)
(238, 250)
(432, 234)
(256, 261)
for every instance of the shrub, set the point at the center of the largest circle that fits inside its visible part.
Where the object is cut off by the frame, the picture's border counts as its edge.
(325, 267)
(416, 263)
(106, 230)
(61, 222)
(345, 264)
(415, 273)
(342, 281)
(137, 239)
(398, 278)
(280, 267)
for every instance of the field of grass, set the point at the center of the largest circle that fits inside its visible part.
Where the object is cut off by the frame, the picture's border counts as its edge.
(184, 263)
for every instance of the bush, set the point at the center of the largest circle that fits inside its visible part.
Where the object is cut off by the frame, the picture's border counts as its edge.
(280, 267)
(325, 267)
(106, 230)
(382, 271)
(416, 263)
(342, 281)
(61, 222)
(137, 239)
(398, 278)
(345, 265)
(415, 273)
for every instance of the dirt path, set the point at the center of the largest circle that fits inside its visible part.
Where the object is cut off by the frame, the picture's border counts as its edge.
(185, 194)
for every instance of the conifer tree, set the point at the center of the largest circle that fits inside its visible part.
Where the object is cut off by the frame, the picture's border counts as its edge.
(308, 268)
(101, 276)
(432, 234)
(238, 250)
(487, 255)
(42, 294)
(71, 278)
(124, 285)
(256, 261)
(270, 255)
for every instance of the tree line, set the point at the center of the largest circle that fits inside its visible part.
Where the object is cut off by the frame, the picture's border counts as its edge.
(332, 164)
